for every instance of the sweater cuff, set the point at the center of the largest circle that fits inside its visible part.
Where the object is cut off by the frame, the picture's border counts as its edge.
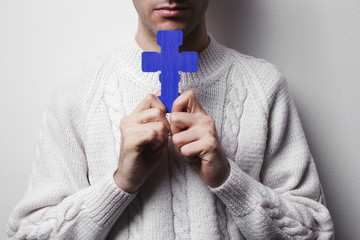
(106, 201)
(240, 193)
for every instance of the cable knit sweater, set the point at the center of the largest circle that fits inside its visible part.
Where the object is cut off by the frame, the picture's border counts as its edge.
(273, 191)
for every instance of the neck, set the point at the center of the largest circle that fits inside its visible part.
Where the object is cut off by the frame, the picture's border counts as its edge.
(197, 40)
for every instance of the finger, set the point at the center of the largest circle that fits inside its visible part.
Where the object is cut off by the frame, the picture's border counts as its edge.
(199, 148)
(150, 101)
(161, 138)
(185, 137)
(161, 129)
(188, 101)
(162, 133)
(153, 134)
(151, 115)
(180, 121)
(191, 150)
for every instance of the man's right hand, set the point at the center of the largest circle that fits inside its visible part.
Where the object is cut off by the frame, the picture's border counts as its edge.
(144, 136)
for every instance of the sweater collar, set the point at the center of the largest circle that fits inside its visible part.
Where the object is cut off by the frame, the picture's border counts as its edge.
(211, 62)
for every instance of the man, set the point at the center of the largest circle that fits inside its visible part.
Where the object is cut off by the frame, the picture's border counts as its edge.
(232, 162)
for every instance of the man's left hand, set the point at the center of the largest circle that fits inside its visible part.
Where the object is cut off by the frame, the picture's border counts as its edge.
(195, 138)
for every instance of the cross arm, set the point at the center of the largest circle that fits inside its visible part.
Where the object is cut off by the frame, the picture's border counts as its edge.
(151, 62)
(188, 62)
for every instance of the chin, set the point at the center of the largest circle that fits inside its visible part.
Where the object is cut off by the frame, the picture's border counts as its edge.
(172, 26)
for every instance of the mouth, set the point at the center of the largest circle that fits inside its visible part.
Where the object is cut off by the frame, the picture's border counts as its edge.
(173, 11)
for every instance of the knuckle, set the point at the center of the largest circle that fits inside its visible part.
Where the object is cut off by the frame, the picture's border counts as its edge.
(123, 123)
(209, 120)
(211, 132)
(161, 127)
(150, 97)
(162, 109)
(157, 112)
(184, 152)
(174, 117)
(152, 133)
(207, 134)
(211, 144)
(191, 93)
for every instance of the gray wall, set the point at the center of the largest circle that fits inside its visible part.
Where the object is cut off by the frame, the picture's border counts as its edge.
(315, 43)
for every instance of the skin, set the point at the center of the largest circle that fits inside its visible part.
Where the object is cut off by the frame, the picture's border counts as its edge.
(144, 133)
(193, 24)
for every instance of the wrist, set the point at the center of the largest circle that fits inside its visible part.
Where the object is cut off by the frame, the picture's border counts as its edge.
(124, 187)
(222, 178)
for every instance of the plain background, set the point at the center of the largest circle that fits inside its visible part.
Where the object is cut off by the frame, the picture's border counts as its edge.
(316, 44)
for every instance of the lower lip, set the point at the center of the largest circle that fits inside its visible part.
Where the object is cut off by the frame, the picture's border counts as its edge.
(171, 13)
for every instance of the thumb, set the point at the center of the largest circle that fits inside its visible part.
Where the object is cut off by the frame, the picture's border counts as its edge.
(188, 101)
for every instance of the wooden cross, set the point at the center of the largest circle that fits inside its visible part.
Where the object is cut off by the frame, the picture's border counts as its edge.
(169, 62)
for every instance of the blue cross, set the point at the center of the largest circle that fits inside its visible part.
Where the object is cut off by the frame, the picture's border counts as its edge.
(169, 62)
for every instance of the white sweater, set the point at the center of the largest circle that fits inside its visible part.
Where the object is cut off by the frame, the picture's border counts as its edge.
(273, 191)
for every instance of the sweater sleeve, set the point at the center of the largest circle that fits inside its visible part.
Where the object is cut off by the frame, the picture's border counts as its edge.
(59, 202)
(287, 202)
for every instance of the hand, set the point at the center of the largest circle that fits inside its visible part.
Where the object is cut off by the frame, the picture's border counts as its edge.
(195, 138)
(144, 137)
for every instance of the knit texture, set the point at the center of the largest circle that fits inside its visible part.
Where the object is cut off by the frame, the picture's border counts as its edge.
(273, 191)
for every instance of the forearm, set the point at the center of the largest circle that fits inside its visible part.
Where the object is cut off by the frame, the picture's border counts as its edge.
(262, 213)
(86, 214)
